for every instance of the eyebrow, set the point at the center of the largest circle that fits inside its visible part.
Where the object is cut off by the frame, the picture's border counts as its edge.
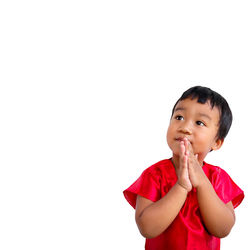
(177, 109)
(200, 114)
(205, 115)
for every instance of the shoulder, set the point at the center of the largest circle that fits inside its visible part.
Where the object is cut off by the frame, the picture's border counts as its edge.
(224, 186)
(159, 168)
(217, 175)
(149, 183)
(212, 169)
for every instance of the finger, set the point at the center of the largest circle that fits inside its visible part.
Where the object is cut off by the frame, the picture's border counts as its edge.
(190, 148)
(186, 146)
(185, 161)
(182, 148)
(183, 156)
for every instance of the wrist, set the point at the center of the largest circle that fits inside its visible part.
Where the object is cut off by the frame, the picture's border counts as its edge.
(182, 187)
(203, 183)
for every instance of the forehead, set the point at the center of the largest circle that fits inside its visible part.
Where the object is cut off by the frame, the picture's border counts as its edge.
(193, 107)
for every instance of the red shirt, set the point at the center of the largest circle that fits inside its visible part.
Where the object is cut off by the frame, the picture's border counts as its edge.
(187, 230)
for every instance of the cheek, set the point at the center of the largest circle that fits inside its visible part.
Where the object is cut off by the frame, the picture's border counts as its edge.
(202, 144)
(169, 136)
(172, 144)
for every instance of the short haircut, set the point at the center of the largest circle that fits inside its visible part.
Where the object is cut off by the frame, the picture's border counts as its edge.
(204, 95)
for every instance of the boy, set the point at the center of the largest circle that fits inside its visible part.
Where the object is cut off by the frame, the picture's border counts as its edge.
(183, 202)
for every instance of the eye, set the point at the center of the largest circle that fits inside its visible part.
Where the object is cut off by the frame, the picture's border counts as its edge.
(179, 117)
(200, 123)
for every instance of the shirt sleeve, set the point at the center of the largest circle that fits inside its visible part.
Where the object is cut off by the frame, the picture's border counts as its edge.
(227, 190)
(147, 185)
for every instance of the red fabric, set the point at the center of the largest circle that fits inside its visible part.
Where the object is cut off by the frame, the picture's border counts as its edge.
(187, 230)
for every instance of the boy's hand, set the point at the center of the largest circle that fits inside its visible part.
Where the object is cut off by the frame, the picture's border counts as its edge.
(182, 172)
(196, 173)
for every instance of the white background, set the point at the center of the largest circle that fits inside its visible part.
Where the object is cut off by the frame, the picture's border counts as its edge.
(87, 89)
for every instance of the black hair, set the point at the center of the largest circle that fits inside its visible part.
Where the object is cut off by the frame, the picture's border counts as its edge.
(204, 95)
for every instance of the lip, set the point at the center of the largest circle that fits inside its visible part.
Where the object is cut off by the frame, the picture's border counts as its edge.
(182, 139)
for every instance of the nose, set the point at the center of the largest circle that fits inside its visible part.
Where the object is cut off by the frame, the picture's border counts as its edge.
(185, 129)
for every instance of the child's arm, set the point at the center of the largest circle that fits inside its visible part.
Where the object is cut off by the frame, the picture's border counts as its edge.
(218, 217)
(153, 218)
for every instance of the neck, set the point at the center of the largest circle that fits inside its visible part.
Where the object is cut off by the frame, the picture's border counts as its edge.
(175, 160)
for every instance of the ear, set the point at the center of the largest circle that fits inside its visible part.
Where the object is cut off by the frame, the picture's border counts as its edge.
(217, 145)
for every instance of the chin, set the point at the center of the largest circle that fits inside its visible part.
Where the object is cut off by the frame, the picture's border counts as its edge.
(175, 151)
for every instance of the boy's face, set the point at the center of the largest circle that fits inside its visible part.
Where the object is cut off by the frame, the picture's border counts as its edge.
(199, 123)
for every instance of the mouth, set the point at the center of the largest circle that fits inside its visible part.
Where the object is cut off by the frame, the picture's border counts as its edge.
(182, 139)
